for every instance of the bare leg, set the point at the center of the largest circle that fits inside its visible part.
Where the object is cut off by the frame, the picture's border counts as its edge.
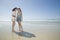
(20, 26)
(13, 24)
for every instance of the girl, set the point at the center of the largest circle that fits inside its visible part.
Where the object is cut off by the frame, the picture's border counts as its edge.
(17, 15)
(13, 18)
(19, 19)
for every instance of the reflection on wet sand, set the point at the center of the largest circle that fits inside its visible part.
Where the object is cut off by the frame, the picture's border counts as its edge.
(25, 34)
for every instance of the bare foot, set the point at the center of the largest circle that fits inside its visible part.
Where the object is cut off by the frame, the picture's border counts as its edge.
(21, 29)
(13, 31)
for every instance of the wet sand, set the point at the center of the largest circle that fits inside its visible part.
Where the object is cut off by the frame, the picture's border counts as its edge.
(33, 30)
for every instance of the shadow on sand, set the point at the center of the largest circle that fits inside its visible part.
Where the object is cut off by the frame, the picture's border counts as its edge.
(25, 34)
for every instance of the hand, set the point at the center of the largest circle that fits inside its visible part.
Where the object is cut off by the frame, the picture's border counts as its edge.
(13, 15)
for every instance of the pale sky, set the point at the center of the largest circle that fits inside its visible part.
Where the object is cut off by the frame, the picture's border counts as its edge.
(31, 9)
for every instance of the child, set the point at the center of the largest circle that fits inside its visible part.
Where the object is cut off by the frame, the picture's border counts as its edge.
(19, 19)
(13, 18)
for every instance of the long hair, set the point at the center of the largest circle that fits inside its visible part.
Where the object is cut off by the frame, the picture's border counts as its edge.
(19, 9)
(14, 9)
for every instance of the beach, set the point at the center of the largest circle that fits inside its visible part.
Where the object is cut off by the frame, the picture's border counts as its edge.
(33, 30)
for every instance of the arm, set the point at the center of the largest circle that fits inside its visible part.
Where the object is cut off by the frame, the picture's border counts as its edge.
(13, 14)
